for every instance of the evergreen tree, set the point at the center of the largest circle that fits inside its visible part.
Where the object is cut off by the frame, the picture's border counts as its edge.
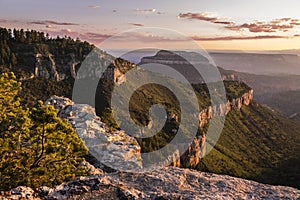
(57, 150)
(13, 59)
(14, 131)
(36, 147)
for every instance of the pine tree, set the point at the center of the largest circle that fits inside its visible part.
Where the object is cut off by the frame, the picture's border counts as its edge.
(36, 147)
(14, 131)
(57, 150)
(13, 59)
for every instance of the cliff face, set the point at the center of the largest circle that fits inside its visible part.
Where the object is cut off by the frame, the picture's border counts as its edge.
(194, 153)
(197, 149)
(167, 183)
(177, 60)
(47, 68)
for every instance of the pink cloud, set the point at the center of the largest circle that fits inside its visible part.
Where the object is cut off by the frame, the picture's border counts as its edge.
(136, 24)
(205, 17)
(226, 38)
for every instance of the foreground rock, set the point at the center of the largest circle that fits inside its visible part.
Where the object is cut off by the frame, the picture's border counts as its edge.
(113, 149)
(167, 183)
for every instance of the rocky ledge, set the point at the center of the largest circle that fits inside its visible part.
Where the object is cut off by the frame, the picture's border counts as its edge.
(167, 183)
(116, 150)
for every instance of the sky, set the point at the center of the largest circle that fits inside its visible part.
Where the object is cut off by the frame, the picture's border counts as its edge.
(212, 24)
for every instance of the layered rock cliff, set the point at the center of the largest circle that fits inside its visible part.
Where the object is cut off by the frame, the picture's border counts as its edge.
(167, 183)
(196, 150)
(47, 68)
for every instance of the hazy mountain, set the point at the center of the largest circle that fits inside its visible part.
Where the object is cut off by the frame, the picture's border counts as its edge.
(259, 63)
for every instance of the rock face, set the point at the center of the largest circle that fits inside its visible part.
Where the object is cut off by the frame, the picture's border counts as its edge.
(45, 67)
(114, 149)
(197, 149)
(295, 116)
(194, 153)
(167, 183)
(114, 73)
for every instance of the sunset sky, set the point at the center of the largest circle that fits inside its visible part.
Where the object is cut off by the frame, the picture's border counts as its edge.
(214, 24)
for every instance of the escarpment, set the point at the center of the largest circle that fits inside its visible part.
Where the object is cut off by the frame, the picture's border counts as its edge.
(197, 149)
(239, 96)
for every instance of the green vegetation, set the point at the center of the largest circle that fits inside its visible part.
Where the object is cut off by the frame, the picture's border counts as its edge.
(235, 89)
(40, 89)
(148, 95)
(18, 48)
(257, 144)
(36, 147)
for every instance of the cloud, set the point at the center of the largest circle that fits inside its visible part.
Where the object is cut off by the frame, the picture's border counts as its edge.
(51, 22)
(275, 25)
(147, 37)
(9, 21)
(95, 37)
(295, 22)
(145, 11)
(226, 38)
(259, 27)
(49, 26)
(61, 32)
(67, 30)
(94, 6)
(205, 17)
(135, 24)
(128, 36)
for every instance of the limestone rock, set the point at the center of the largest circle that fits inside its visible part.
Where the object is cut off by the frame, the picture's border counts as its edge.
(89, 169)
(191, 157)
(166, 183)
(114, 149)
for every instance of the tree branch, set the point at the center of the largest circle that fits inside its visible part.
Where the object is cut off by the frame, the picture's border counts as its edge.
(38, 159)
